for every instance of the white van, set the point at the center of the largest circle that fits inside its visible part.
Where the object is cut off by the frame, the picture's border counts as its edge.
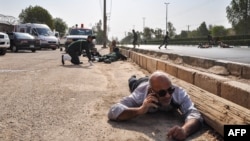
(39, 31)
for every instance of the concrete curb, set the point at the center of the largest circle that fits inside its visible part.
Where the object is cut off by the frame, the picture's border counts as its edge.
(237, 92)
(235, 69)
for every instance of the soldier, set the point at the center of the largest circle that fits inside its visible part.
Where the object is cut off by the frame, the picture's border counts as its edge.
(75, 50)
(165, 41)
(135, 36)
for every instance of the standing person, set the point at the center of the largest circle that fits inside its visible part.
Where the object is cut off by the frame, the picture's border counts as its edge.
(139, 38)
(165, 41)
(157, 93)
(113, 45)
(75, 49)
(135, 38)
(210, 39)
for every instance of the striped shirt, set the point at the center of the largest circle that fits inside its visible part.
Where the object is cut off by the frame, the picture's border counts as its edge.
(180, 99)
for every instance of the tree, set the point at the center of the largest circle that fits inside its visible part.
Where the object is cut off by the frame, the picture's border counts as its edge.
(202, 30)
(99, 32)
(158, 33)
(184, 34)
(128, 39)
(147, 33)
(238, 14)
(171, 30)
(60, 26)
(218, 31)
(36, 14)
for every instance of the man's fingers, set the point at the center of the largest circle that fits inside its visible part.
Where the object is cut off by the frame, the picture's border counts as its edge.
(176, 133)
(171, 131)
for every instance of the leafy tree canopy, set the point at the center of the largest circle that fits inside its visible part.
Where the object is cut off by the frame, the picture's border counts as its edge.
(36, 14)
(60, 25)
(238, 14)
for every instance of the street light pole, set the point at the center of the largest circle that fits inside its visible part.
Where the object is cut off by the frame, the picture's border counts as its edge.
(166, 16)
(104, 24)
(143, 24)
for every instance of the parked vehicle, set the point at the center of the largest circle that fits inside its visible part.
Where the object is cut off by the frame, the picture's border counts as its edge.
(41, 32)
(77, 34)
(57, 35)
(4, 43)
(23, 41)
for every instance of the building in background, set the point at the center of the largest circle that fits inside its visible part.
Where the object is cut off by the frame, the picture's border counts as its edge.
(7, 23)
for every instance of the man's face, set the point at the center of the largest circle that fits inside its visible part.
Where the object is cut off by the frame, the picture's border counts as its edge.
(161, 88)
(90, 39)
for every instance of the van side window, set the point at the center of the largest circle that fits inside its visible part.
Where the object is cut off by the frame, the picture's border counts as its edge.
(34, 32)
(22, 30)
(28, 30)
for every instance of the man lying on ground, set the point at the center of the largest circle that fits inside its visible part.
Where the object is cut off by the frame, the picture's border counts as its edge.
(157, 93)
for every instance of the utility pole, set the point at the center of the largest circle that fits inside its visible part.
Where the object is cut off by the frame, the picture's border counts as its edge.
(166, 16)
(104, 24)
(188, 27)
(143, 23)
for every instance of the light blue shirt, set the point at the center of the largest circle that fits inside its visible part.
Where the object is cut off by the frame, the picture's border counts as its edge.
(136, 98)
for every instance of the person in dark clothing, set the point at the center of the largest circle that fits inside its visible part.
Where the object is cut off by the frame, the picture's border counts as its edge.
(135, 36)
(95, 55)
(210, 39)
(165, 41)
(76, 48)
(112, 57)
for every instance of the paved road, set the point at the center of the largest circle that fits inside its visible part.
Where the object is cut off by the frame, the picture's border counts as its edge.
(40, 99)
(236, 54)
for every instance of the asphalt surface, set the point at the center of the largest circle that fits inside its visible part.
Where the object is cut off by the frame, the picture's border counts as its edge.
(43, 100)
(235, 54)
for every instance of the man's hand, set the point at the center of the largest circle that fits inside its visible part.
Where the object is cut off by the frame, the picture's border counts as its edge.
(132, 112)
(147, 103)
(177, 133)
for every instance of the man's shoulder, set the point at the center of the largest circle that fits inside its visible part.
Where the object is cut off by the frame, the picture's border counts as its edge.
(179, 94)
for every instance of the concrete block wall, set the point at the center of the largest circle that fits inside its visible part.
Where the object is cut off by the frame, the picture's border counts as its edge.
(236, 92)
(246, 72)
(235, 69)
(209, 82)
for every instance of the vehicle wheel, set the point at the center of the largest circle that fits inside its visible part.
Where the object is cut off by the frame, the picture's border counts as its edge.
(14, 49)
(2, 51)
(33, 50)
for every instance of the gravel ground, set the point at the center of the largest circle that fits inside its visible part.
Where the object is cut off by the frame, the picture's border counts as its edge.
(41, 100)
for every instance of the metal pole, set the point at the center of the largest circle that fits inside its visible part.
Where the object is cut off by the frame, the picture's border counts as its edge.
(104, 24)
(166, 16)
(143, 24)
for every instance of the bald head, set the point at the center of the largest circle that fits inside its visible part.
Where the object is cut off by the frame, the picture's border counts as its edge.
(159, 78)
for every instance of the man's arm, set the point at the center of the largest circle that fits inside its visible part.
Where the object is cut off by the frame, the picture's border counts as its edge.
(193, 119)
(130, 113)
(119, 112)
(191, 126)
(181, 133)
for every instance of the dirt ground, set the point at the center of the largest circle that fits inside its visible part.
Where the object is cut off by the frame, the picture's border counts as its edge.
(42, 100)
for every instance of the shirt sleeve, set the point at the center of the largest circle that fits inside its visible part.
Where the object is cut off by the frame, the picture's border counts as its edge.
(186, 105)
(135, 99)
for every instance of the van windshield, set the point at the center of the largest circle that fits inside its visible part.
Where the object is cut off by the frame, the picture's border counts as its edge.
(80, 32)
(44, 31)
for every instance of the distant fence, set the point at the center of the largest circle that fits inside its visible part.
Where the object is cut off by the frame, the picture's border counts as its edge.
(237, 40)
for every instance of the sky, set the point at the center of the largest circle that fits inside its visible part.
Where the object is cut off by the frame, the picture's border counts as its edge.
(125, 15)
